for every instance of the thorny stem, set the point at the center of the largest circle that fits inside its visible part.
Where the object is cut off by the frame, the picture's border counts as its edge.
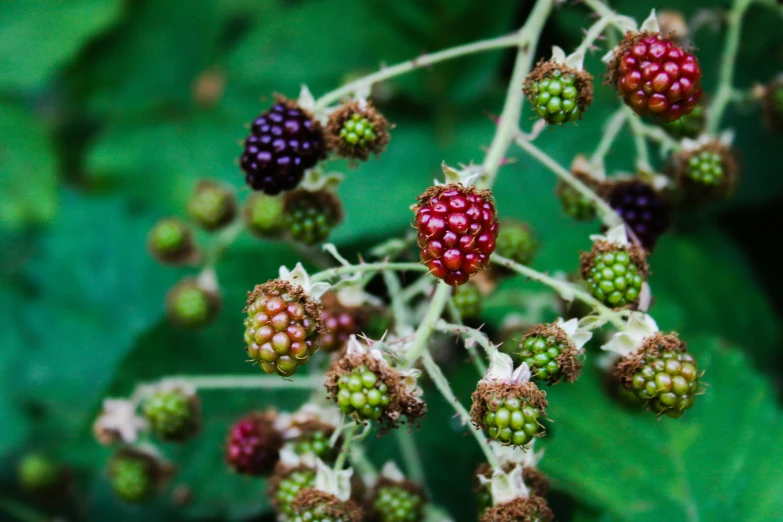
(607, 214)
(416, 63)
(728, 62)
(594, 33)
(440, 381)
(410, 455)
(347, 439)
(471, 333)
(611, 130)
(427, 325)
(565, 289)
(508, 125)
(331, 273)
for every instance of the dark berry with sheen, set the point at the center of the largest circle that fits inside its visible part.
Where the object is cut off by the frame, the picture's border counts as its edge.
(254, 444)
(457, 231)
(643, 209)
(283, 142)
(655, 76)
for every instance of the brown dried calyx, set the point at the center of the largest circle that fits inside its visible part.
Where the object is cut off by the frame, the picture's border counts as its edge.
(569, 359)
(535, 479)
(326, 505)
(494, 390)
(531, 509)
(365, 112)
(653, 347)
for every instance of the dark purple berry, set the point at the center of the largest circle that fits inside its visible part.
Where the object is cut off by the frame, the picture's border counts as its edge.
(645, 211)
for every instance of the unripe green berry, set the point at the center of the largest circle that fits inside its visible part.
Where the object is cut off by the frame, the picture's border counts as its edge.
(516, 241)
(263, 215)
(133, 477)
(613, 277)
(191, 306)
(212, 205)
(288, 487)
(39, 474)
(171, 241)
(512, 421)
(172, 414)
(574, 203)
(317, 443)
(361, 394)
(557, 93)
(358, 131)
(687, 126)
(311, 216)
(667, 383)
(705, 167)
(467, 299)
(397, 503)
(542, 354)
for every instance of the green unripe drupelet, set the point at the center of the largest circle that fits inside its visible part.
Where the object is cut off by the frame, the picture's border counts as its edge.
(467, 299)
(398, 502)
(170, 241)
(574, 203)
(285, 487)
(550, 354)
(361, 395)
(263, 215)
(516, 241)
(173, 415)
(614, 274)
(705, 167)
(191, 306)
(311, 216)
(707, 172)
(134, 475)
(39, 474)
(688, 126)
(358, 131)
(313, 505)
(512, 421)
(558, 93)
(212, 205)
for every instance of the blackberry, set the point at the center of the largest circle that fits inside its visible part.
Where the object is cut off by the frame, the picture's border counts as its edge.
(281, 326)
(361, 394)
(550, 354)
(398, 501)
(516, 241)
(191, 306)
(558, 93)
(212, 206)
(711, 170)
(263, 216)
(531, 509)
(311, 216)
(644, 210)
(467, 299)
(356, 130)
(510, 413)
(173, 415)
(317, 443)
(662, 374)
(688, 126)
(38, 474)
(313, 505)
(457, 231)
(284, 142)
(170, 241)
(254, 444)
(614, 274)
(285, 485)
(340, 323)
(655, 76)
(134, 475)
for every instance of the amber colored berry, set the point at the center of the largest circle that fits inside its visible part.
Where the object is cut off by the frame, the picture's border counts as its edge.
(212, 205)
(254, 444)
(457, 231)
(613, 276)
(311, 216)
(655, 76)
(283, 142)
(281, 327)
(361, 394)
(644, 210)
(170, 241)
(172, 414)
(191, 306)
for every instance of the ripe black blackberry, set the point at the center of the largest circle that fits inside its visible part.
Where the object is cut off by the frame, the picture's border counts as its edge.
(284, 142)
(645, 211)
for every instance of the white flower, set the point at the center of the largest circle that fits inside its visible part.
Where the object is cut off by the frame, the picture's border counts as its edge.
(505, 487)
(575, 332)
(299, 276)
(315, 180)
(524, 456)
(291, 459)
(392, 472)
(410, 380)
(639, 327)
(466, 176)
(616, 236)
(501, 368)
(119, 417)
(573, 60)
(337, 483)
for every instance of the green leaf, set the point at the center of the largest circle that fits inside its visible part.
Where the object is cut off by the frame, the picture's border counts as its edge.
(29, 181)
(39, 37)
(706, 466)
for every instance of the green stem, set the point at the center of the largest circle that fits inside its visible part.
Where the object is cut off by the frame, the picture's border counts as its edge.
(508, 126)
(606, 213)
(224, 239)
(331, 273)
(659, 136)
(442, 384)
(410, 455)
(399, 311)
(481, 367)
(611, 131)
(563, 288)
(728, 62)
(460, 329)
(642, 154)
(347, 439)
(420, 286)
(231, 382)
(427, 326)
(424, 60)
(594, 33)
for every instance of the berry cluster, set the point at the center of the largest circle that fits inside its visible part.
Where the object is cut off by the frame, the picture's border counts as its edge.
(356, 130)
(170, 241)
(550, 354)
(191, 305)
(516, 241)
(457, 231)
(362, 395)
(135, 476)
(509, 413)
(285, 485)
(281, 327)
(173, 415)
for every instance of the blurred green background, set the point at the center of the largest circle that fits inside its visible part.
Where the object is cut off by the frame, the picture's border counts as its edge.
(111, 110)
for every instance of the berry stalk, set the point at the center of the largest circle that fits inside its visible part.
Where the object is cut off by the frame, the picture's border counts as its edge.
(410, 455)
(331, 273)
(427, 325)
(642, 154)
(348, 436)
(611, 130)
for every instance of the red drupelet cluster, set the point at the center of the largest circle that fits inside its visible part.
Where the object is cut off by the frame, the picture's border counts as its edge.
(655, 76)
(254, 445)
(458, 228)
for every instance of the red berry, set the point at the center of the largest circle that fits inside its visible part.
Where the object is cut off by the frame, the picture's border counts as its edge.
(655, 76)
(254, 444)
(458, 229)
